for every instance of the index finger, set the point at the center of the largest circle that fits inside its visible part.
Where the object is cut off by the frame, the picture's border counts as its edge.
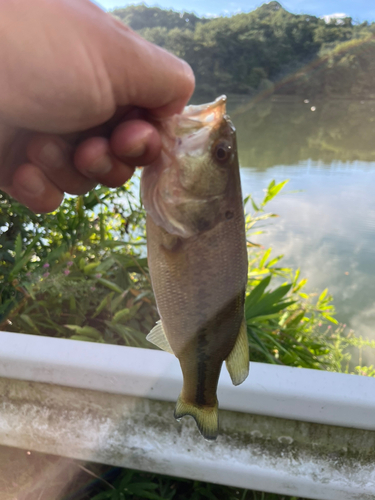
(143, 74)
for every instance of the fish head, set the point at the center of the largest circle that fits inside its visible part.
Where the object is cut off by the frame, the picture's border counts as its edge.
(187, 190)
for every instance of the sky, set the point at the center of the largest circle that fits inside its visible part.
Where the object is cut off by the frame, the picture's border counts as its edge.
(359, 10)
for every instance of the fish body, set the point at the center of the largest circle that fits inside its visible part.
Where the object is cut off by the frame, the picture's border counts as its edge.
(197, 256)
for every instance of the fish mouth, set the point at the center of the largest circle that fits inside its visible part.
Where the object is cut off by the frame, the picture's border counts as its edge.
(204, 115)
(195, 128)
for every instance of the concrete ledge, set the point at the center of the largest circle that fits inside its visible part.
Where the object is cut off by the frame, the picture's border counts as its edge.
(289, 431)
(279, 391)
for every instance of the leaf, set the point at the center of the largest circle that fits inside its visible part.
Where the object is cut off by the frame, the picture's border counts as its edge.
(60, 218)
(142, 296)
(274, 261)
(110, 285)
(121, 315)
(72, 304)
(300, 285)
(105, 302)
(26, 319)
(246, 199)
(207, 493)
(249, 198)
(148, 494)
(276, 343)
(87, 331)
(18, 247)
(29, 289)
(90, 267)
(293, 322)
(272, 190)
(126, 479)
(117, 301)
(142, 486)
(266, 307)
(260, 344)
(102, 227)
(332, 320)
(258, 272)
(256, 293)
(267, 317)
(105, 265)
(20, 264)
(104, 495)
(131, 263)
(131, 336)
(323, 295)
(265, 257)
(278, 293)
(83, 338)
(255, 206)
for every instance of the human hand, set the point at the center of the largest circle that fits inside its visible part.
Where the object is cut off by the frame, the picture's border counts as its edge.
(78, 91)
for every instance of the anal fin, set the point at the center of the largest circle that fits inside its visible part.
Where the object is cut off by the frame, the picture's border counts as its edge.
(237, 362)
(157, 337)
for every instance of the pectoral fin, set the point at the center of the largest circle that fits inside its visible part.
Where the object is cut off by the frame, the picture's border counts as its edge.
(157, 337)
(238, 360)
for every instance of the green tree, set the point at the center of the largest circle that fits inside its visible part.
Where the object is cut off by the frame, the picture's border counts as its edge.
(244, 52)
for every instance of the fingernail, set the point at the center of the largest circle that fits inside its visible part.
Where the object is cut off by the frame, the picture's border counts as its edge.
(33, 185)
(51, 155)
(137, 151)
(101, 166)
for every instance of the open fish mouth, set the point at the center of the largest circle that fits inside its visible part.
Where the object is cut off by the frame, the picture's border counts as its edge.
(194, 127)
(204, 115)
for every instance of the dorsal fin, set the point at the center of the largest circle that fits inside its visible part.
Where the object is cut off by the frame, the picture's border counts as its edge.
(238, 360)
(157, 337)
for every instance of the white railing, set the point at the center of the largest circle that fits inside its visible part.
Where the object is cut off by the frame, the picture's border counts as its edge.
(285, 430)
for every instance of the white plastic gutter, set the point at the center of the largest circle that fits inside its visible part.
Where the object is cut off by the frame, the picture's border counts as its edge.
(285, 430)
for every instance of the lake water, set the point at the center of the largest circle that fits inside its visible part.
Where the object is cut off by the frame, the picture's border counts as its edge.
(327, 228)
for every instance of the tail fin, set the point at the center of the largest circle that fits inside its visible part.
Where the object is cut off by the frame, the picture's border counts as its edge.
(206, 417)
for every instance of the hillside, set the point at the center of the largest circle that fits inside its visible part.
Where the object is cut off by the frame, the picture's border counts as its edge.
(266, 49)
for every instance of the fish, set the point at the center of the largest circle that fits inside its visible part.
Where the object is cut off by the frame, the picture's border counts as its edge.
(197, 255)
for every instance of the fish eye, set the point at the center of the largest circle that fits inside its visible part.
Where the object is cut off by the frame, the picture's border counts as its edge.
(222, 151)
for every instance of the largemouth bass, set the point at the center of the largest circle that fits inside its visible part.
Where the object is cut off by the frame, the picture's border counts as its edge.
(197, 255)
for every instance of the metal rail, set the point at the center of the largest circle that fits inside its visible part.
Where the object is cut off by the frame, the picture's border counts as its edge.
(285, 430)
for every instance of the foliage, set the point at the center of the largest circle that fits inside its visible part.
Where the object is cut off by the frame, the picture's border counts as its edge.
(107, 300)
(243, 53)
(81, 274)
(93, 284)
(140, 17)
(341, 69)
(136, 485)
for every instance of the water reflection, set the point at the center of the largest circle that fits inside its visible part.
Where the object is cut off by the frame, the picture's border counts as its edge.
(328, 227)
(285, 131)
